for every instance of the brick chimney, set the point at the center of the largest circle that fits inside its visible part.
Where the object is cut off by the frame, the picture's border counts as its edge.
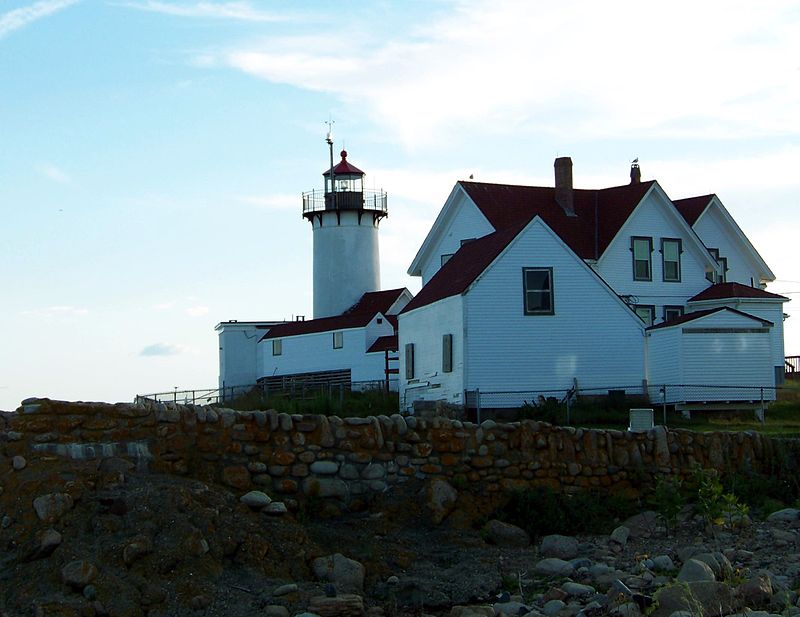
(563, 167)
(636, 173)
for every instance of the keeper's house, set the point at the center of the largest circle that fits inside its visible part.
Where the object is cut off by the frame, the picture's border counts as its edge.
(539, 289)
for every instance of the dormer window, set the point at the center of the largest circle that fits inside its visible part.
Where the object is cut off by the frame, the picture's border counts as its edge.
(671, 258)
(642, 249)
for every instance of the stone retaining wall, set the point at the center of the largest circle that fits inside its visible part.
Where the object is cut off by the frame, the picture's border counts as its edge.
(296, 456)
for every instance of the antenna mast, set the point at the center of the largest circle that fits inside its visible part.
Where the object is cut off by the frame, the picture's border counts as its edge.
(329, 140)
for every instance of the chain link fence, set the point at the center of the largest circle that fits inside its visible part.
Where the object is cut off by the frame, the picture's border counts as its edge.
(292, 390)
(595, 404)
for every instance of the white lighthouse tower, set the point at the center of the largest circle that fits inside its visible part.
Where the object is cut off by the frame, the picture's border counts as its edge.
(345, 220)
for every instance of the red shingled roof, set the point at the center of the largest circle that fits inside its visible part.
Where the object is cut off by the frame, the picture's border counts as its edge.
(357, 316)
(376, 301)
(692, 207)
(698, 314)
(343, 167)
(509, 208)
(384, 343)
(464, 267)
(506, 205)
(723, 291)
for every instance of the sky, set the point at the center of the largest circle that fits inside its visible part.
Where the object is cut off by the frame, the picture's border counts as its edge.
(153, 153)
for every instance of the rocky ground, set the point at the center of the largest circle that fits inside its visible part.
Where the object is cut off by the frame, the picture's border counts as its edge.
(108, 540)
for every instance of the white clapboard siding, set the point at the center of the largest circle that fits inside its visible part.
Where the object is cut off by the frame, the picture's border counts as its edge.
(463, 221)
(654, 218)
(715, 232)
(592, 336)
(664, 357)
(771, 310)
(709, 358)
(424, 328)
(238, 354)
(307, 353)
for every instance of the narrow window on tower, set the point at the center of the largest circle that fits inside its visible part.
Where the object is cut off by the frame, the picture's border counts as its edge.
(447, 353)
(409, 360)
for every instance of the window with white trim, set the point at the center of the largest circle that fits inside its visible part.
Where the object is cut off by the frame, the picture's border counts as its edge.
(277, 347)
(671, 259)
(537, 286)
(447, 353)
(647, 313)
(642, 249)
(338, 340)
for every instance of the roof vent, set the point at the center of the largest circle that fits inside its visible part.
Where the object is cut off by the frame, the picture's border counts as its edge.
(563, 167)
(636, 173)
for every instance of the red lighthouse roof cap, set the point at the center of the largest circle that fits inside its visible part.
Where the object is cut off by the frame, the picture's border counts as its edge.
(344, 167)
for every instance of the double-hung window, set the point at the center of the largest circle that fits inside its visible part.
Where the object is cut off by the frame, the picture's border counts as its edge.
(538, 291)
(671, 256)
(277, 347)
(642, 249)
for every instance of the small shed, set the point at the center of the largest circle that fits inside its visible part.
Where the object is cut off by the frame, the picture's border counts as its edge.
(720, 356)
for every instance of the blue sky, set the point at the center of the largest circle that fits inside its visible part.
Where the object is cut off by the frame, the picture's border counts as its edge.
(152, 153)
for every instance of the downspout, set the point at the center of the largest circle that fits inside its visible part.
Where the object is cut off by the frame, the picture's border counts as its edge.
(596, 231)
(464, 346)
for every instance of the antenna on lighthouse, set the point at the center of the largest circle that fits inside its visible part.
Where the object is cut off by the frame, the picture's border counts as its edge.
(329, 140)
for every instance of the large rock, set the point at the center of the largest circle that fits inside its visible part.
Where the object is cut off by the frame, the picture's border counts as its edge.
(78, 573)
(620, 535)
(505, 534)
(51, 507)
(347, 575)
(343, 605)
(553, 566)
(787, 515)
(256, 499)
(756, 591)
(699, 598)
(480, 610)
(441, 499)
(562, 547)
(718, 563)
(643, 524)
(695, 571)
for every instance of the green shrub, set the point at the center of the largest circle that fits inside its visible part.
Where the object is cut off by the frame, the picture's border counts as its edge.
(668, 500)
(541, 511)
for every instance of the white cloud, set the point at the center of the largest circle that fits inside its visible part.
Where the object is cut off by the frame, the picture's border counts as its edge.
(243, 11)
(161, 349)
(54, 173)
(197, 311)
(164, 306)
(577, 69)
(21, 17)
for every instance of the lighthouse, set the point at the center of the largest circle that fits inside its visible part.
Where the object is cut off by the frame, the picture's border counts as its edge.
(345, 219)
